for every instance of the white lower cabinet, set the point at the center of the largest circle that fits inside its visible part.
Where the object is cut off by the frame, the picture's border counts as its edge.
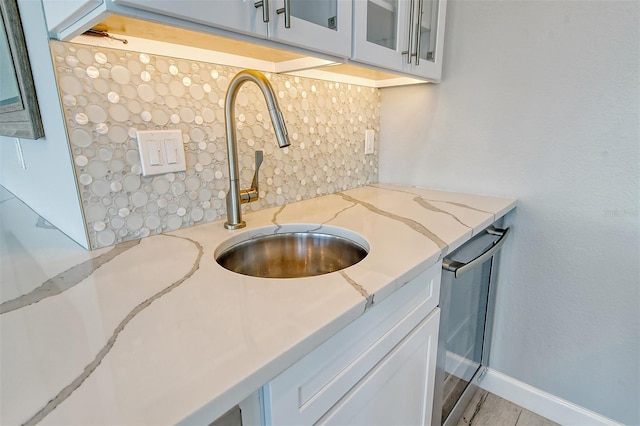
(379, 370)
(398, 390)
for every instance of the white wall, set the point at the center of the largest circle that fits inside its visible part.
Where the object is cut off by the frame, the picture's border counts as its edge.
(48, 184)
(540, 101)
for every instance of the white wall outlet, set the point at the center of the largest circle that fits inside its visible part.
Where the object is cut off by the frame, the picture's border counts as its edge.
(368, 141)
(161, 151)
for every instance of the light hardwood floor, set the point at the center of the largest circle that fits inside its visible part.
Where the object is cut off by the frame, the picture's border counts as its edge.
(487, 409)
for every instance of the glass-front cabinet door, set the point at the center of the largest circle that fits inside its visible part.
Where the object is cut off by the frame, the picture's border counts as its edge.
(403, 35)
(324, 25)
(428, 40)
(381, 32)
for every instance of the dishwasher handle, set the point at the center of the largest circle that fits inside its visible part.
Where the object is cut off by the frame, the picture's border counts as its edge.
(459, 268)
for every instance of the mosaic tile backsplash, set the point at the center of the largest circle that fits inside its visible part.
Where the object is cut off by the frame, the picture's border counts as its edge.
(109, 94)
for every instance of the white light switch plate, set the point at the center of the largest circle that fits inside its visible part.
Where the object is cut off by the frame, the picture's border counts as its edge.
(368, 141)
(161, 151)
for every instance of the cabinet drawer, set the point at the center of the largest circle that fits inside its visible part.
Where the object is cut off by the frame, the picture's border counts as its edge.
(307, 390)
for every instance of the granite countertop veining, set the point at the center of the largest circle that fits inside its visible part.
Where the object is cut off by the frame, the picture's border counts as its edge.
(154, 331)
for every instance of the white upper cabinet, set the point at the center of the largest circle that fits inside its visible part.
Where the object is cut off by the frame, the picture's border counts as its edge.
(400, 35)
(390, 42)
(233, 15)
(322, 25)
(62, 13)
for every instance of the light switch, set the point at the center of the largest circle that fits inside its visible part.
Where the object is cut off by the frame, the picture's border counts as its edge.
(155, 154)
(171, 150)
(161, 151)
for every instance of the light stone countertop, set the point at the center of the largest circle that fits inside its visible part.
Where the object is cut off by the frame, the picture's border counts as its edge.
(156, 332)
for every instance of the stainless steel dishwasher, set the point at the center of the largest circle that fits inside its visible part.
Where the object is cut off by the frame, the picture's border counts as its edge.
(466, 302)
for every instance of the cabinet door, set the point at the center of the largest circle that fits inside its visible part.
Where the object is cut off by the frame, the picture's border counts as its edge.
(307, 390)
(382, 33)
(429, 39)
(399, 390)
(234, 15)
(322, 25)
(401, 35)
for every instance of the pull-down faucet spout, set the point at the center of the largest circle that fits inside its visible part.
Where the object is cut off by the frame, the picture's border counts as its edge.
(236, 196)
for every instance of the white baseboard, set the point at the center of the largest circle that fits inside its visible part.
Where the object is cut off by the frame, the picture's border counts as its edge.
(460, 366)
(542, 403)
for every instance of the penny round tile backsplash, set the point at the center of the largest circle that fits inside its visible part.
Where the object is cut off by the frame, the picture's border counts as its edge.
(108, 95)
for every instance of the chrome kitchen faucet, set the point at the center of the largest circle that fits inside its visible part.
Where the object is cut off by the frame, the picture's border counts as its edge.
(237, 196)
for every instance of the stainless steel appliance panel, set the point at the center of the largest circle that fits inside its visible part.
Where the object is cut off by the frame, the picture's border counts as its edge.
(466, 302)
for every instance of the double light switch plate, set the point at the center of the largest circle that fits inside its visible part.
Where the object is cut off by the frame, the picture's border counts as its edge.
(161, 151)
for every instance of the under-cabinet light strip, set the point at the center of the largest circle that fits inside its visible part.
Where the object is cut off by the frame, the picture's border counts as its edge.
(177, 51)
(304, 67)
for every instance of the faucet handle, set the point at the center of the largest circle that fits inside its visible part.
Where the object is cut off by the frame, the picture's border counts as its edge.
(254, 182)
(252, 194)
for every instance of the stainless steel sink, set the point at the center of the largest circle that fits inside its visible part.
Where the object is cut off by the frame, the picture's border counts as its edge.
(291, 254)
